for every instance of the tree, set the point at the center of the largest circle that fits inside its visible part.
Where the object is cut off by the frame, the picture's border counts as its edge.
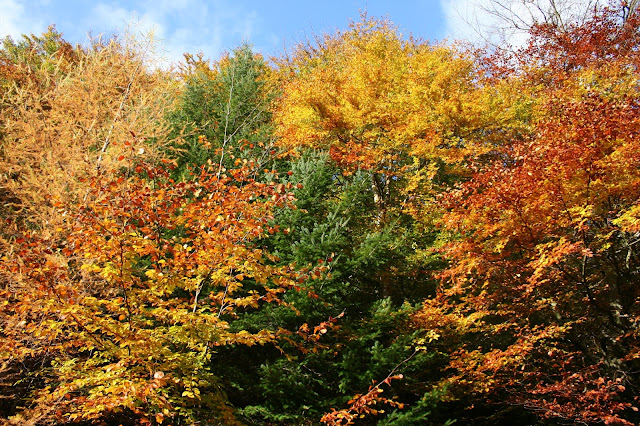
(62, 109)
(338, 319)
(540, 298)
(224, 103)
(68, 114)
(126, 317)
(399, 119)
(389, 106)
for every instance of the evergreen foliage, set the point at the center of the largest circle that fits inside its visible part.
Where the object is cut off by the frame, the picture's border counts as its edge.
(223, 104)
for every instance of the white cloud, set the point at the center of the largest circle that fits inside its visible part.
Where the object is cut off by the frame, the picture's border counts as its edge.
(181, 26)
(500, 21)
(178, 26)
(15, 20)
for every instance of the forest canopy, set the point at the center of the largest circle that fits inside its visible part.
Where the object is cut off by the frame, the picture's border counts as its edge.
(373, 229)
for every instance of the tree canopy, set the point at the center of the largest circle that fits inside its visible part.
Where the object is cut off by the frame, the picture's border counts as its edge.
(373, 229)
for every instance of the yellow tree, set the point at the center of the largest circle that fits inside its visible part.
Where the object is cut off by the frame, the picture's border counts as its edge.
(62, 109)
(389, 105)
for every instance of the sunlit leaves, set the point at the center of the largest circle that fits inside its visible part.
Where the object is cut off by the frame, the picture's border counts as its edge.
(372, 97)
(68, 111)
(145, 288)
(406, 111)
(541, 249)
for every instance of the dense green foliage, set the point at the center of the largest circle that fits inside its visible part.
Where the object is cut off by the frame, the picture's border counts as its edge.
(222, 105)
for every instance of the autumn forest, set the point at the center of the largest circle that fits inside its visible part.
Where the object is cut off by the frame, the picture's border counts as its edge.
(370, 229)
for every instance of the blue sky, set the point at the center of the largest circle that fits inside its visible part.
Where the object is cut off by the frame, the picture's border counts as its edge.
(213, 26)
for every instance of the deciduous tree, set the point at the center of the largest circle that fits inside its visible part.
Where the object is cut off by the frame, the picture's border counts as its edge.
(124, 318)
(387, 105)
(541, 295)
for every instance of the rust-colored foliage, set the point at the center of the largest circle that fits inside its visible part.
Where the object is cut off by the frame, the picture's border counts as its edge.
(361, 406)
(542, 296)
(66, 112)
(124, 317)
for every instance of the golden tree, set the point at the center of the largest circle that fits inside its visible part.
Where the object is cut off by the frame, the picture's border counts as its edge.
(389, 105)
(68, 111)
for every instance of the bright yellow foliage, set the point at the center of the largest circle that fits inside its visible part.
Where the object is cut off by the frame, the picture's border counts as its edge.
(375, 99)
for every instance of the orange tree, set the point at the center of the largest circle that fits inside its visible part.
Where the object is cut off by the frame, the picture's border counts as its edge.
(62, 108)
(123, 319)
(539, 305)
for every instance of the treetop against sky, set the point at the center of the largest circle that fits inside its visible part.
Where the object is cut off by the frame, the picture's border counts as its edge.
(213, 26)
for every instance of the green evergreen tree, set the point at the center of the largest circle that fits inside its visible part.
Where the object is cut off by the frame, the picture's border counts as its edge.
(369, 286)
(224, 107)
(331, 227)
